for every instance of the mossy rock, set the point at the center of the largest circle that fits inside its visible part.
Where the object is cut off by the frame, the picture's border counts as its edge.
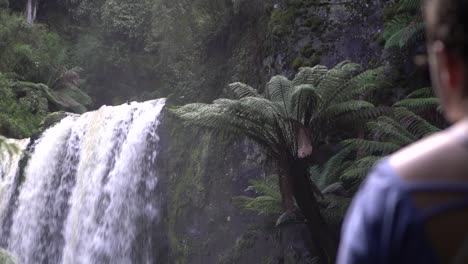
(52, 119)
(72, 99)
(68, 99)
(6, 258)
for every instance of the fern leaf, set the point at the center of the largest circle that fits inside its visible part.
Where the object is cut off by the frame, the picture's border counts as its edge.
(396, 25)
(331, 169)
(419, 105)
(347, 107)
(371, 147)
(415, 124)
(279, 88)
(389, 130)
(333, 82)
(422, 93)
(304, 102)
(242, 90)
(312, 76)
(412, 33)
(409, 5)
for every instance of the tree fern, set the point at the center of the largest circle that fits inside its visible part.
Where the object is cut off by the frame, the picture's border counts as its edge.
(288, 120)
(308, 102)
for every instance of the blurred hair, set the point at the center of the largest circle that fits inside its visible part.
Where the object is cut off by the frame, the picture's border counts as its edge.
(449, 25)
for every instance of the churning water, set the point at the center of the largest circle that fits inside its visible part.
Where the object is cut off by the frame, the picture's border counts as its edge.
(89, 190)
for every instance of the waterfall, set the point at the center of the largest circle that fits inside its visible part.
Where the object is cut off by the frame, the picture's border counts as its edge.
(90, 190)
(9, 177)
(31, 10)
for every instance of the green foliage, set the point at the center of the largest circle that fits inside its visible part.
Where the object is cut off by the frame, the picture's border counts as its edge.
(19, 118)
(267, 198)
(311, 103)
(34, 75)
(29, 52)
(386, 134)
(280, 20)
(405, 26)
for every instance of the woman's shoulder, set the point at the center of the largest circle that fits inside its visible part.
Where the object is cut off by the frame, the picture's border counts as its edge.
(378, 218)
(440, 157)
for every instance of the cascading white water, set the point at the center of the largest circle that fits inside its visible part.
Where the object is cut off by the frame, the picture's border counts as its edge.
(31, 10)
(9, 173)
(89, 189)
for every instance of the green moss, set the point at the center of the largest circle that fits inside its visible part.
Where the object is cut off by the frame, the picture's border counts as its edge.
(297, 63)
(243, 243)
(307, 51)
(186, 187)
(313, 22)
(281, 20)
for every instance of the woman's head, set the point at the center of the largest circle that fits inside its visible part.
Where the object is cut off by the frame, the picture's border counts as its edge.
(447, 35)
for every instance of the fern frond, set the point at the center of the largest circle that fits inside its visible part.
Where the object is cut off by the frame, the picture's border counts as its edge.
(333, 81)
(362, 115)
(347, 107)
(241, 90)
(419, 105)
(409, 5)
(412, 33)
(363, 84)
(389, 130)
(368, 162)
(331, 170)
(396, 25)
(354, 174)
(267, 186)
(304, 102)
(268, 200)
(422, 93)
(312, 76)
(415, 124)
(266, 205)
(371, 147)
(279, 88)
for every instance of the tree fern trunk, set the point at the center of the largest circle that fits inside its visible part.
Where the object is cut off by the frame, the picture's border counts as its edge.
(324, 238)
(286, 189)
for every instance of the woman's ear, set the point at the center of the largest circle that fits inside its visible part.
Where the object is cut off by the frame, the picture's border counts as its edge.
(451, 70)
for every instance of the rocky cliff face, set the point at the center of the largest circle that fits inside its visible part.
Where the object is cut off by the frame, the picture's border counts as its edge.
(200, 174)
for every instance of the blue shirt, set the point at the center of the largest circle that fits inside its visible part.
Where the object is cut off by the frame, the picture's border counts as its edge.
(383, 224)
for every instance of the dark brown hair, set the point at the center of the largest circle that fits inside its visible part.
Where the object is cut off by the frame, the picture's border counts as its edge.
(449, 24)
